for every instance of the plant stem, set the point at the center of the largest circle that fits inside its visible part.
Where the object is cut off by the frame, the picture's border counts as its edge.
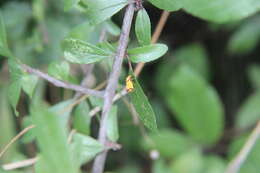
(62, 84)
(110, 90)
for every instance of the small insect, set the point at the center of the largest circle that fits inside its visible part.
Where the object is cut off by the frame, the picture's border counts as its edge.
(129, 84)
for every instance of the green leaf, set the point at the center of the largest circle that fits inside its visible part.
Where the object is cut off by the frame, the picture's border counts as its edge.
(4, 50)
(100, 10)
(81, 118)
(221, 11)
(29, 83)
(251, 163)
(52, 140)
(147, 53)
(68, 4)
(160, 166)
(195, 56)
(85, 148)
(30, 135)
(163, 143)
(77, 51)
(214, 164)
(59, 70)
(112, 125)
(196, 105)
(245, 39)
(169, 5)
(190, 162)
(143, 107)
(253, 73)
(112, 28)
(249, 112)
(143, 27)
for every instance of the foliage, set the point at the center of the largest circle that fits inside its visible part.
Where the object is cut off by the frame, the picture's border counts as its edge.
(179, 109)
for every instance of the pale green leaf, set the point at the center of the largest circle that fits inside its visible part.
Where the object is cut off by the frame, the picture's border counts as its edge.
(112, 28)
(59, 70)
(85, 148)
(169, 5)
(29, 83)
(190, 162)
(196, 105)
(68, 4)
(147, 53)
(77, 51)
(4, 50)
(81, 118)
(112, 125)
(143, 107)
(143, 28)
(214, 164)
(52, 140)
(100, 10)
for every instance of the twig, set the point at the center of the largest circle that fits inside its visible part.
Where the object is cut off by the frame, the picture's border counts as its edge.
(20, 164)
(62, 84)
(139, 66)
(110, 90)
(15, 138)
(235, 165)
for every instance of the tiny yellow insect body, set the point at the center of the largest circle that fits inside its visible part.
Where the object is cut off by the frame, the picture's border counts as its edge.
(129, 84)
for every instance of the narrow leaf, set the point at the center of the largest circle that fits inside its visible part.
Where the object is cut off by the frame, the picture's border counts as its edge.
(143, 107)
(147, 53)
(77, 51)
(143, 28)
(112, 125)
(4, 50)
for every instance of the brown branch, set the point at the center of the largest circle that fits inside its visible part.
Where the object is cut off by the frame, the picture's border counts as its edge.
(15, 139)
(60, 83)
(110, 90)
(235, 165)
(20, 164)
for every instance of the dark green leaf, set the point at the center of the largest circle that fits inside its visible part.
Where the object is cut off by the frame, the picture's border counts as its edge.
(81, 119)
(77, 51)
(52, 140)
(163, 143)
(143, 107)
(112, 125)
(196, 105)
(147, 53)
(100, 10)
(143, 28)
(253, 75)
(249, 112)
(169, 5)
(221, 10)
(85, 148)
